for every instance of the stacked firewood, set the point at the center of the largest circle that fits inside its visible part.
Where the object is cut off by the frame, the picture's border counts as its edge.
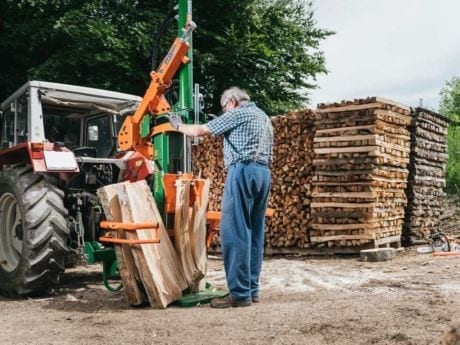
(361, 157)
(208, 162)
(426, 174)
(291, 180)
(290, 194)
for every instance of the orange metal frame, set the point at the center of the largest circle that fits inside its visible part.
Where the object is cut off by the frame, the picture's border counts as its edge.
(154, 101)
(169, 181)
(119, 226)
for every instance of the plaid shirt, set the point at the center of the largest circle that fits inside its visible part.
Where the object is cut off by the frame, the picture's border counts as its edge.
(248, 134)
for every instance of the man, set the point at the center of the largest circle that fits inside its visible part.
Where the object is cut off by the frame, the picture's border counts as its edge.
(248, 152)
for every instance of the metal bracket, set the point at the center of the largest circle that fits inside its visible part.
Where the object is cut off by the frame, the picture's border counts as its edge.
(119, 226)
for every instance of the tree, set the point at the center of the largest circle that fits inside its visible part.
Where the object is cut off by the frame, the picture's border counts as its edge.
(103, 44)
(269, 47)
(449, 106)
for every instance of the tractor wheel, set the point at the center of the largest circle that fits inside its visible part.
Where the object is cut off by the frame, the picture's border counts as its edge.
(33, 231)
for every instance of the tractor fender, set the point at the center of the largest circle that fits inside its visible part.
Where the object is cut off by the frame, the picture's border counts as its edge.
(43, 157)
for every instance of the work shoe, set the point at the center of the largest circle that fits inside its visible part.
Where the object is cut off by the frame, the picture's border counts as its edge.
(255, 299)
(228, 302)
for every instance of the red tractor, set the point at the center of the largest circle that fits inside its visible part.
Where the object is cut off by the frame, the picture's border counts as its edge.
(57, 147)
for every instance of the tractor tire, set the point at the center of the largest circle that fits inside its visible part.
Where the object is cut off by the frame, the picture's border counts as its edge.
(33, 231)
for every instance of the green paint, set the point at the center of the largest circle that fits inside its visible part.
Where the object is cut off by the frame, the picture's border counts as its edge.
(96, 252)
(186, 72)
(145, 126)
(202, 297)
(169, 147)
(168, 156)
(161, 159)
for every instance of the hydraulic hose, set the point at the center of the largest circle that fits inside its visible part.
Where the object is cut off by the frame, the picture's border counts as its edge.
(445, 239)
(170, 17)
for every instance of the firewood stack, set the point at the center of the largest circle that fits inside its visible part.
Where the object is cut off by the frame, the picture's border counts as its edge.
(291, 180)
(208, 160)
(361, 158)
(290, 194)
(426, 174)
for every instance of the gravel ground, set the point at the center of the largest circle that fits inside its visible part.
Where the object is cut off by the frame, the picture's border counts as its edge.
(413, 299)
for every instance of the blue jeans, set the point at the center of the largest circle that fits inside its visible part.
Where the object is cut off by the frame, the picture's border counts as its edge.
(244, 203)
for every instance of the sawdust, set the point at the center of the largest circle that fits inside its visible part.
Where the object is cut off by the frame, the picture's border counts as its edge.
(413, 299)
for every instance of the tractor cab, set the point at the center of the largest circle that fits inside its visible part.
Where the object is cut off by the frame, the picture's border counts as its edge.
(84, 120)
(58, 145)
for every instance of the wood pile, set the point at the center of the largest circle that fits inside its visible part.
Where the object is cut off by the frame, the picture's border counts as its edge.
(361, 158)
(426, 174)
(156, 273)
(290, 194)
(340, 175)
(450, 218)
(208, 162)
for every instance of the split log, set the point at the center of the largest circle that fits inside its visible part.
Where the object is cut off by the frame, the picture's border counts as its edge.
(158, 264)
(127, 269)
(378, 254)
(183, 228)
(198, 230)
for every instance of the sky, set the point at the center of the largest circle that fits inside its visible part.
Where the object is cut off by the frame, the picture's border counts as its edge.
(404, 50)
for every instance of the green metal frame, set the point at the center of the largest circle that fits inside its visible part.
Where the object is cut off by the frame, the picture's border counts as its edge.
(96, 252)
(186, 72)
(169, 147)
(169, 154)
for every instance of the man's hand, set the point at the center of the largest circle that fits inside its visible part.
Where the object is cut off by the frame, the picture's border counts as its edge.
(175, 121)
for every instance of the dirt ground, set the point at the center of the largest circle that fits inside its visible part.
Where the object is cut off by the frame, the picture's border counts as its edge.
(413, 299)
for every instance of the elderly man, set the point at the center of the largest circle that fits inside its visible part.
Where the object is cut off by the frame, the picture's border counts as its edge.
(248, 152)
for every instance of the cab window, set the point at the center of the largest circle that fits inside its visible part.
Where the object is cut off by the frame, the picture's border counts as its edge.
(63, 129)
(22, 124)
(98, 135)
(7, 134)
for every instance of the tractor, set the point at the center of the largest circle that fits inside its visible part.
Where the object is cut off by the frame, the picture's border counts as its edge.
(59, 143)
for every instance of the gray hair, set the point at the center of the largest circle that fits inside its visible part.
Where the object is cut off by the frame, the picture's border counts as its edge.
(235, 93)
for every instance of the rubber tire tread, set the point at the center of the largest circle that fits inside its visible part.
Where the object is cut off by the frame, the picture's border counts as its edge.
(45, 231)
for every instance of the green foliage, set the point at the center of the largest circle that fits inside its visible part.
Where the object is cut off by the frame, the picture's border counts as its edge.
(450, 107)
(269, 47)
(450, 99)
(104, 44)
(453, 163)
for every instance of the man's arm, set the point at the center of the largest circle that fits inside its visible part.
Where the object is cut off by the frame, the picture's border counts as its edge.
(190, 130)
(194, 130)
